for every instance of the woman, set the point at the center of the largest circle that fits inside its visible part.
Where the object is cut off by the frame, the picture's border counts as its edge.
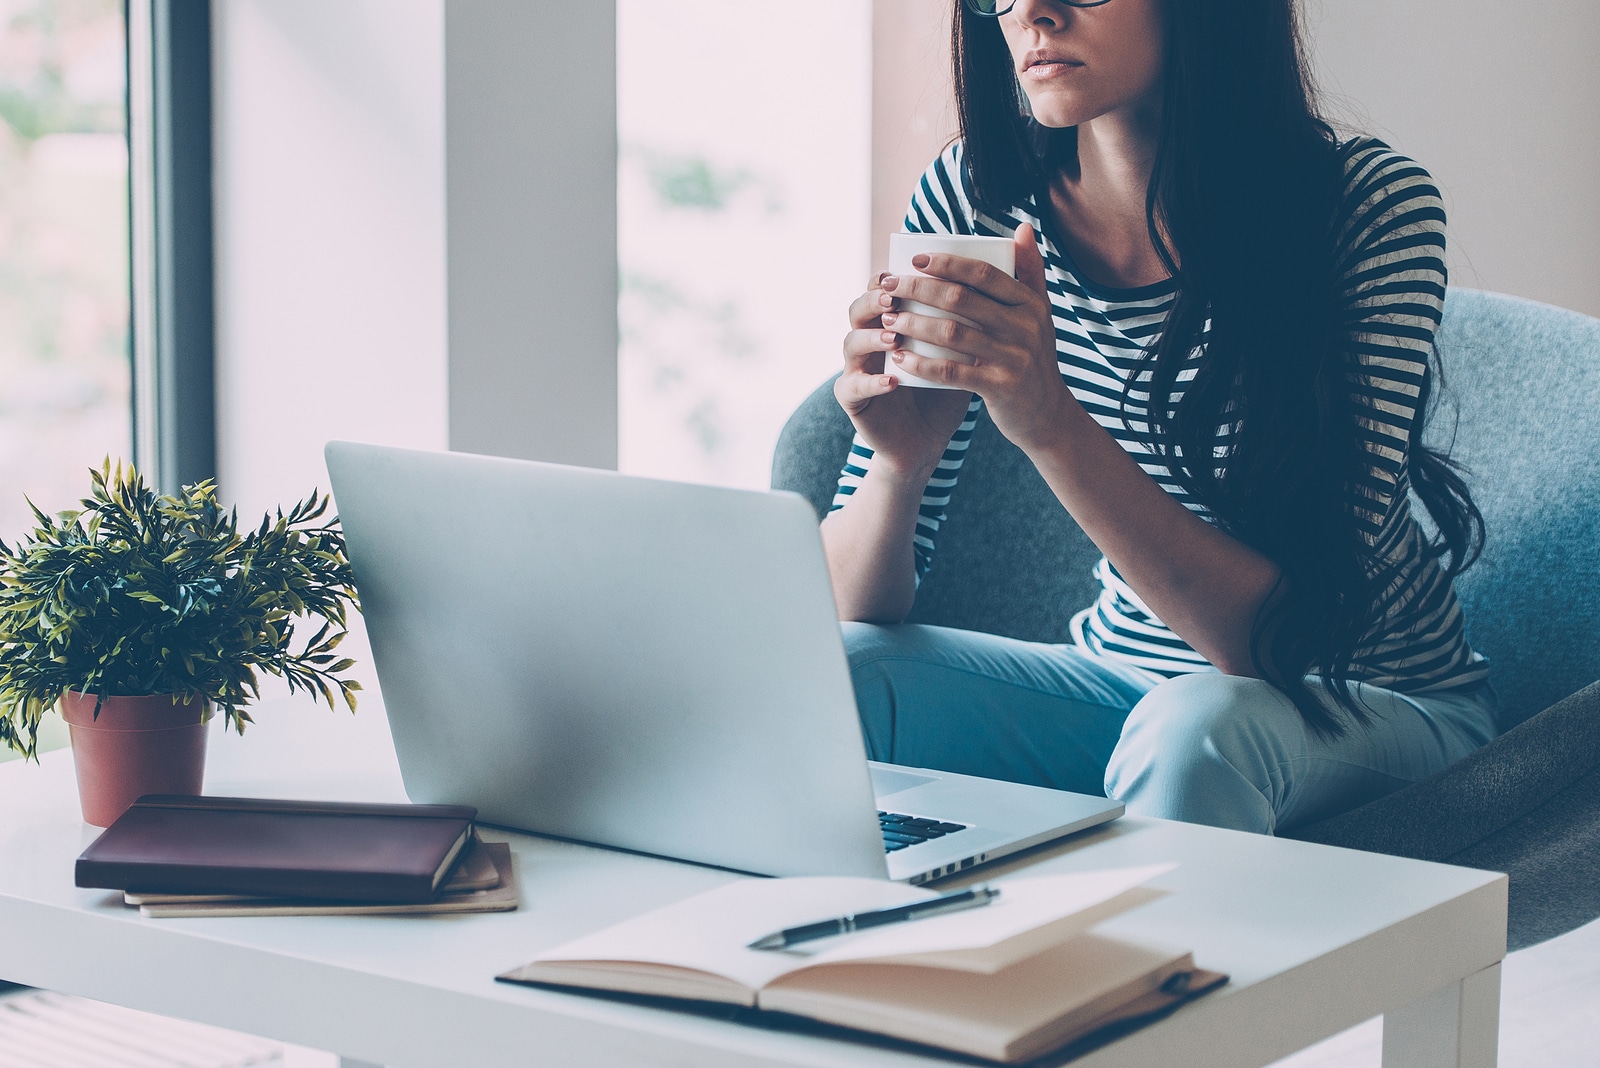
(1216, 352)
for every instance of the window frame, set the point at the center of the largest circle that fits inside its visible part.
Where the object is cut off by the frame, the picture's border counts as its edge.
(172, 328)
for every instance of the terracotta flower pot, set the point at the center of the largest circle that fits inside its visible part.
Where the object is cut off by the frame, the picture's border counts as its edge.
(137, 746)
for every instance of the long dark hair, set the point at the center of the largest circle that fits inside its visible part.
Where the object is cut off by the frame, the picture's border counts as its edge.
(1242, 208)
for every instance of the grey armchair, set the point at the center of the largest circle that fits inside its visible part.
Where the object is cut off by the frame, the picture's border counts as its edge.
(1524, 381)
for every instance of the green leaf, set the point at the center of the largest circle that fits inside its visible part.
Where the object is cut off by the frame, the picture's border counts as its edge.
(137, 593)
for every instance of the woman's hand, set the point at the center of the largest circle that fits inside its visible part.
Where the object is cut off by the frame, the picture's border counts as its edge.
(906, 427)
(1203, 583)
(1010, 349)
(869, 544)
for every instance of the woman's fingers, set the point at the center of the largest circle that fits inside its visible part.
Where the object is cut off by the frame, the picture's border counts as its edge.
(866, 308)
(864, 354)
(946, 333)
(980, 322)
(948, 295)
(855, 391)
(1030, 265)
(931, 369)
(939, 269)
(864, 349)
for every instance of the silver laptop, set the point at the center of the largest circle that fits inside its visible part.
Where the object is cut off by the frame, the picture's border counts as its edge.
(644, 664)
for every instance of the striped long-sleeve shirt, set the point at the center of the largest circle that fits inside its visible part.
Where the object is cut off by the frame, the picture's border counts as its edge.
(1391, 248)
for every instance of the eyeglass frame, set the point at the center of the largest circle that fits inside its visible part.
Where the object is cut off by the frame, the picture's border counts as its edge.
(972, 6)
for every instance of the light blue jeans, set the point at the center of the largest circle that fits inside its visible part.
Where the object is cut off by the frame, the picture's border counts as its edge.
(1205, 748)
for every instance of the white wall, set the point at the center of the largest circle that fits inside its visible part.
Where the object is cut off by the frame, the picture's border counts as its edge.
(330, 253)
(1501, 102)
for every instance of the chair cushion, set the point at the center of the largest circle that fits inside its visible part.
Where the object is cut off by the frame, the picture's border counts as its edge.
(1553, 857)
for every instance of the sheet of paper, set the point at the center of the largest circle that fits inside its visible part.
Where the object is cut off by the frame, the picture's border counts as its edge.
(1029, 915)
(709, 932)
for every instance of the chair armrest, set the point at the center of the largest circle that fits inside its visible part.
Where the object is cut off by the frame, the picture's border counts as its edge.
(1480, 795)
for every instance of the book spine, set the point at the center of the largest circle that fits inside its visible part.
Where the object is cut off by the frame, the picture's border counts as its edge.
(314, 808)
(369, 887)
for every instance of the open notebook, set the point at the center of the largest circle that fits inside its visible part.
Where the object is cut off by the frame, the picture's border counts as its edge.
(1008, 981)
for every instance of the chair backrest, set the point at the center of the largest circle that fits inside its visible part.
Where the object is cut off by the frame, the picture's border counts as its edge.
(1008, 559)
(1524, 379)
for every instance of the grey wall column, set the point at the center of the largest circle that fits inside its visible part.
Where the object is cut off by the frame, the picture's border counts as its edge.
(173, 329)
(531, 230)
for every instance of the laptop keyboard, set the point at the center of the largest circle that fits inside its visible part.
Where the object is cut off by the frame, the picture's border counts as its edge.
(900, 830)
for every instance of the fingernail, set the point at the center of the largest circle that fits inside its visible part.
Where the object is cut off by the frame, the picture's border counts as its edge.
(921, 260)
(888, 381)
(889, 317)
(888, 337)
(890, 281)
(886, 300)
(898, 356)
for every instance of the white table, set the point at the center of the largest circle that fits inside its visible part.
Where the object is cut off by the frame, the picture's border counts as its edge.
(1316, 939)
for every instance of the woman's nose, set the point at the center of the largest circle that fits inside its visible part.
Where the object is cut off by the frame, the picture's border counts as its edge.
(1046, 14)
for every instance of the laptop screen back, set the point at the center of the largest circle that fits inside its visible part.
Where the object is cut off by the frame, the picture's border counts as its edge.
(644, 664)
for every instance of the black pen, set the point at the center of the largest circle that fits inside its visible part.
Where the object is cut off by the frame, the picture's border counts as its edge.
(965, 899)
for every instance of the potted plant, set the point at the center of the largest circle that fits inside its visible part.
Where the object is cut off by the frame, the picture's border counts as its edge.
(142, 615)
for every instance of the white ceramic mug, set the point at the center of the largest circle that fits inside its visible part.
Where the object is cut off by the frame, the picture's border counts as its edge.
(996, 251)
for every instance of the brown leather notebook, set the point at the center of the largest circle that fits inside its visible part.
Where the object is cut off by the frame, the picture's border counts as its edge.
(332, 851)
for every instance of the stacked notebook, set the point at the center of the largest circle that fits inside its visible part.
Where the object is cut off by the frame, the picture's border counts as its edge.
(233, 856)
(1022, 976)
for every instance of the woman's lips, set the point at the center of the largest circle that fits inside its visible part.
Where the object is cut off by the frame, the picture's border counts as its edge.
(1051, 68)
(1040, 56)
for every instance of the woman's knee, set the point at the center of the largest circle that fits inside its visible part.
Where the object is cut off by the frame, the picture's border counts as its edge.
(1205, 708)
(1199, 736)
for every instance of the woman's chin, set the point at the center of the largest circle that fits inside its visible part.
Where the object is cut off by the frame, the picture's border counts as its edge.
(1057, 118)
(1060, 110)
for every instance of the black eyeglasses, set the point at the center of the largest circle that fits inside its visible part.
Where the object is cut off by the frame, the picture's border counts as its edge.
(993, 9)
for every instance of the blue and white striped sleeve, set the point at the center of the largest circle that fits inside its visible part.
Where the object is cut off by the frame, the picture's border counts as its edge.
(1391, 260)
(940, 205)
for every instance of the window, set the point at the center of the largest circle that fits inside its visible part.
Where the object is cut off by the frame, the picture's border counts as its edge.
(743, 200)
(64, 369)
